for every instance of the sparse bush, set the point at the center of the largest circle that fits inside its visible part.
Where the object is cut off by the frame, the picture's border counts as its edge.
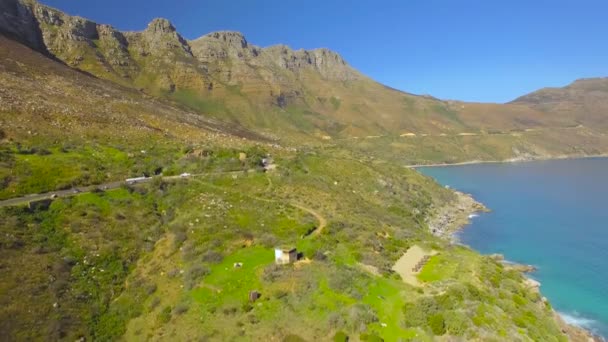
(149, 288)
(212, 257)
(178, 239)
(274, 272)
(165, 315)
(319, 256)
(154, 303)
(193, 275)
(370, 338)
(437, 324)
(340, 336)
(246, 307)
(180, 309)
(268, 240)
(456, 323)
(229, 311)
(360, 315)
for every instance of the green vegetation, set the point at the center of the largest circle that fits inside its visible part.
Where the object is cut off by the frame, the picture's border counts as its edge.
(177, 258)
(161, 260)
(200, 103)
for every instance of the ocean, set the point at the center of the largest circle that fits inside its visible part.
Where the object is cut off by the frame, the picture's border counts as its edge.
(550, 214)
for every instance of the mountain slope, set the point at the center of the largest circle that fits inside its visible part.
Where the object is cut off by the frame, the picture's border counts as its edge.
(307, 96)
(585, 100)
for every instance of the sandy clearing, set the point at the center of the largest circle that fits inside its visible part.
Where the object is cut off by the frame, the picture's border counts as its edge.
(404, 266)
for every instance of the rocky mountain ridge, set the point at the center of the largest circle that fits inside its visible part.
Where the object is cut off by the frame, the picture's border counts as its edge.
(312, 95)
(71, 38)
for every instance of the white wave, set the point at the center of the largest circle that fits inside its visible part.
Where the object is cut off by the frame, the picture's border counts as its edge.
(473, 216)
(575, 318)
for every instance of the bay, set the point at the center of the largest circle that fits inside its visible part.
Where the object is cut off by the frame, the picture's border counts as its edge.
(550, 214)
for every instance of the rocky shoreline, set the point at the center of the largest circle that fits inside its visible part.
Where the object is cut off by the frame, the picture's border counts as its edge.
(455, 216)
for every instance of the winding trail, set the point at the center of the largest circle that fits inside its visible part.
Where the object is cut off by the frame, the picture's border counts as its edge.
(322, 220)
(319, 217)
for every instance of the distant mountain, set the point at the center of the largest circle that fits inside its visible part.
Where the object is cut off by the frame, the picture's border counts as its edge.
(313, 96)
(586, 100)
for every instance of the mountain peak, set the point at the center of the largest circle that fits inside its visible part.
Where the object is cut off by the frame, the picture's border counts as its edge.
(233, 38)
(160, 25)
(161, 35)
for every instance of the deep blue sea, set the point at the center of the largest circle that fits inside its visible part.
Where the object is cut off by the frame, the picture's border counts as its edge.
(550, 214)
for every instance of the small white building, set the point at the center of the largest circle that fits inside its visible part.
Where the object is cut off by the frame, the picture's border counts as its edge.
(284, 256)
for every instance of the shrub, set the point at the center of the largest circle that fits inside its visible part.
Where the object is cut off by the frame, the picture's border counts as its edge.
(212, 257)
(456, 323)
(193, 275)
(340, 336)
(154, 303)
(370, 338)
(179, 238)
(165, 315)
(360, 315)
(273, 272)
(437, 324)
(180, 309)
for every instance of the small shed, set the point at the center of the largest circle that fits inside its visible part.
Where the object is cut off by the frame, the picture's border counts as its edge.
(254, 295)
(284, 256)
(42, 204)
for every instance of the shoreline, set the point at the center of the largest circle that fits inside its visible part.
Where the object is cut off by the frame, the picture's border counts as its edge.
(510, 160)
(455, 217)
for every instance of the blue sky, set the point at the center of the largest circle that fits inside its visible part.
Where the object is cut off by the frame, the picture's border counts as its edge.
(473, 50)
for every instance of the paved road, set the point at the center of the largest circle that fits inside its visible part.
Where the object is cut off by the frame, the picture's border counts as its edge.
(105, 186)
(62, 193)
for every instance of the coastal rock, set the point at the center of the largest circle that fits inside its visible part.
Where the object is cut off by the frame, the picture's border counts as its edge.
(533, 284)
(454, 215)
(522, 268)
(497, 257)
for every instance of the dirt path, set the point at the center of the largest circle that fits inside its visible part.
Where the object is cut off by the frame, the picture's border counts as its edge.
(405, 265)
(319, 217)
(322, 220)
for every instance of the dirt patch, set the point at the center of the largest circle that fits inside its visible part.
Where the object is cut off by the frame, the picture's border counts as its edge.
(406, 265)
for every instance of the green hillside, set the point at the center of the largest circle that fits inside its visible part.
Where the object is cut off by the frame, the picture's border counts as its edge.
(244, 149)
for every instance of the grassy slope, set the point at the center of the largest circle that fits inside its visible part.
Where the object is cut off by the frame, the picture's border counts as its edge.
(176, 277)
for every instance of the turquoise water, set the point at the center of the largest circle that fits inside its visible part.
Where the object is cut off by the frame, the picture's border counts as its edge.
(551, 214)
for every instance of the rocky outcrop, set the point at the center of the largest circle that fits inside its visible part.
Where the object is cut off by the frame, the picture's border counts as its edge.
(328, 63)
(454, 216)
(17, 20)
(227, 45)
(165, 60)
(161, 36)
(223, 45)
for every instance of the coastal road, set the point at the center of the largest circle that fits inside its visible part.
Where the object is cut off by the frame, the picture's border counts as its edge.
(24, 200)
(61, 193)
